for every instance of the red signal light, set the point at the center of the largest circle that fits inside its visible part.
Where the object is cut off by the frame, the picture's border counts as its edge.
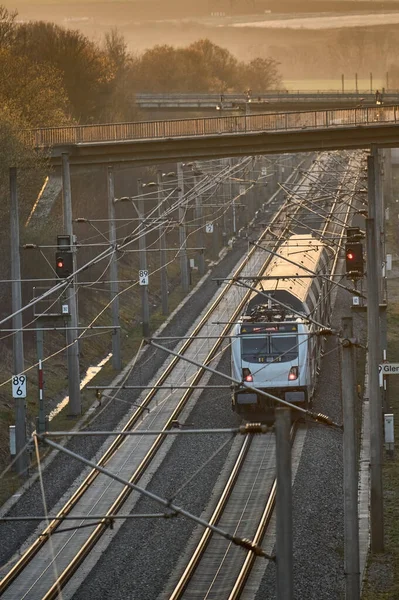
(64, 264)
(354, 259)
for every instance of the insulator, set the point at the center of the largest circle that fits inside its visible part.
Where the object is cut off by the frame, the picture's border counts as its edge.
(249, 545)
(320, 418)
(253, 428)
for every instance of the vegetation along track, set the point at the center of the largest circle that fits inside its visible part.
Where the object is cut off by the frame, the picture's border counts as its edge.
(46, 567)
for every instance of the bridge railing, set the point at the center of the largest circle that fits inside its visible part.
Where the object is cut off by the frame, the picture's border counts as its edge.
(268, 122)
(302, 94)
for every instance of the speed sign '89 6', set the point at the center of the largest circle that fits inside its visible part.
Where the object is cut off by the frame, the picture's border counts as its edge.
(19, 386)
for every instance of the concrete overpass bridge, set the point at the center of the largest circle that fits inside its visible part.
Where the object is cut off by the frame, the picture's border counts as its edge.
(154, 142)
(259, 102)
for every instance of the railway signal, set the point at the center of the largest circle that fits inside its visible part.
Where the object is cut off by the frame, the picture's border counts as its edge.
(354, 259)
(63, 264)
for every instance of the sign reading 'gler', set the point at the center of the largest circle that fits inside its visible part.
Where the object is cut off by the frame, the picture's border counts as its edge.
(389, 368)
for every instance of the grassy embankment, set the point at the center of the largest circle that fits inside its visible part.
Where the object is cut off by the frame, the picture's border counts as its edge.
(382, 580)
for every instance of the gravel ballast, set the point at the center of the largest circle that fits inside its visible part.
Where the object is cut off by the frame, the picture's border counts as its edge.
(62, 472)
(318, 517)
(142, 554)
(139, 560)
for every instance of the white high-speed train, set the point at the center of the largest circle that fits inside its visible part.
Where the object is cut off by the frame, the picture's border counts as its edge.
(275, 346)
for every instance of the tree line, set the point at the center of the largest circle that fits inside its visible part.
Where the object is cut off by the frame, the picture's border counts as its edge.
(54, 76)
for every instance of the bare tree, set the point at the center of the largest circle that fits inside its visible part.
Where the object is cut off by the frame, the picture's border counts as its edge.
(7, 26)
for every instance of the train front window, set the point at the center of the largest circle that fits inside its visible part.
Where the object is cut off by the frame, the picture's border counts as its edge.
(284, 348)
(271, 348)
(254, 349)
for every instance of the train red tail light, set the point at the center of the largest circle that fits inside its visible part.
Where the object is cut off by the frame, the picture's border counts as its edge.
(246, 375)
(293, 374)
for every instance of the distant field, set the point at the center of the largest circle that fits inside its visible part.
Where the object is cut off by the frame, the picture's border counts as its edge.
(322, 22)
(300, 52)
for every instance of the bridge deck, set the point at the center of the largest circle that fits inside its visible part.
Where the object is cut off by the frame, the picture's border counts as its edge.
(259, 102)
(154, 141)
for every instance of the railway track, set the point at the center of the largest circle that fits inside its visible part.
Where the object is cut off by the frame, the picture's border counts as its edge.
(217, 568)
(50, 562)
(34, 575)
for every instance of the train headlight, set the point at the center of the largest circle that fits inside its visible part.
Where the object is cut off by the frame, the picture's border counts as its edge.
(246, 375)
(293, 374)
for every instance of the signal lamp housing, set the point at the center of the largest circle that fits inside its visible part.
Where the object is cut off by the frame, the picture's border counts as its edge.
(354, 259)
(64, 264)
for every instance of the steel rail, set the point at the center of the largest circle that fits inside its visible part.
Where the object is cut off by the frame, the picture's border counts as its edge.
(125, 493)
(250, 559)
(247, 567)
(220, 507)
(260, 533)
(241, 266)
(51, 528)
(200, 549)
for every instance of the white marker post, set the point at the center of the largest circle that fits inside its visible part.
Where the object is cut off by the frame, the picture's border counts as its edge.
(19, 386)
(209, 228)
(143, 277)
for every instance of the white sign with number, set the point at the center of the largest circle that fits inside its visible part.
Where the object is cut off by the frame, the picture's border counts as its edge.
(143, 277)
(264, 171)
(209, 228)
(19, 386)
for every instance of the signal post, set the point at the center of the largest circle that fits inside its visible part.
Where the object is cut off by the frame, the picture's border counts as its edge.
(64, 266)
(374, 355)
(351, 523)
(355, 270)
(354, 253)
(22, 459)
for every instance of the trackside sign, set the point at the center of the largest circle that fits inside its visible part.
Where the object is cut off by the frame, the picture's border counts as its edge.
(388, 369)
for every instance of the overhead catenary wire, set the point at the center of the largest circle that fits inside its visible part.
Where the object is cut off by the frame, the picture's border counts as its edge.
(55, 353)
(163, 502)
(94, 261)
